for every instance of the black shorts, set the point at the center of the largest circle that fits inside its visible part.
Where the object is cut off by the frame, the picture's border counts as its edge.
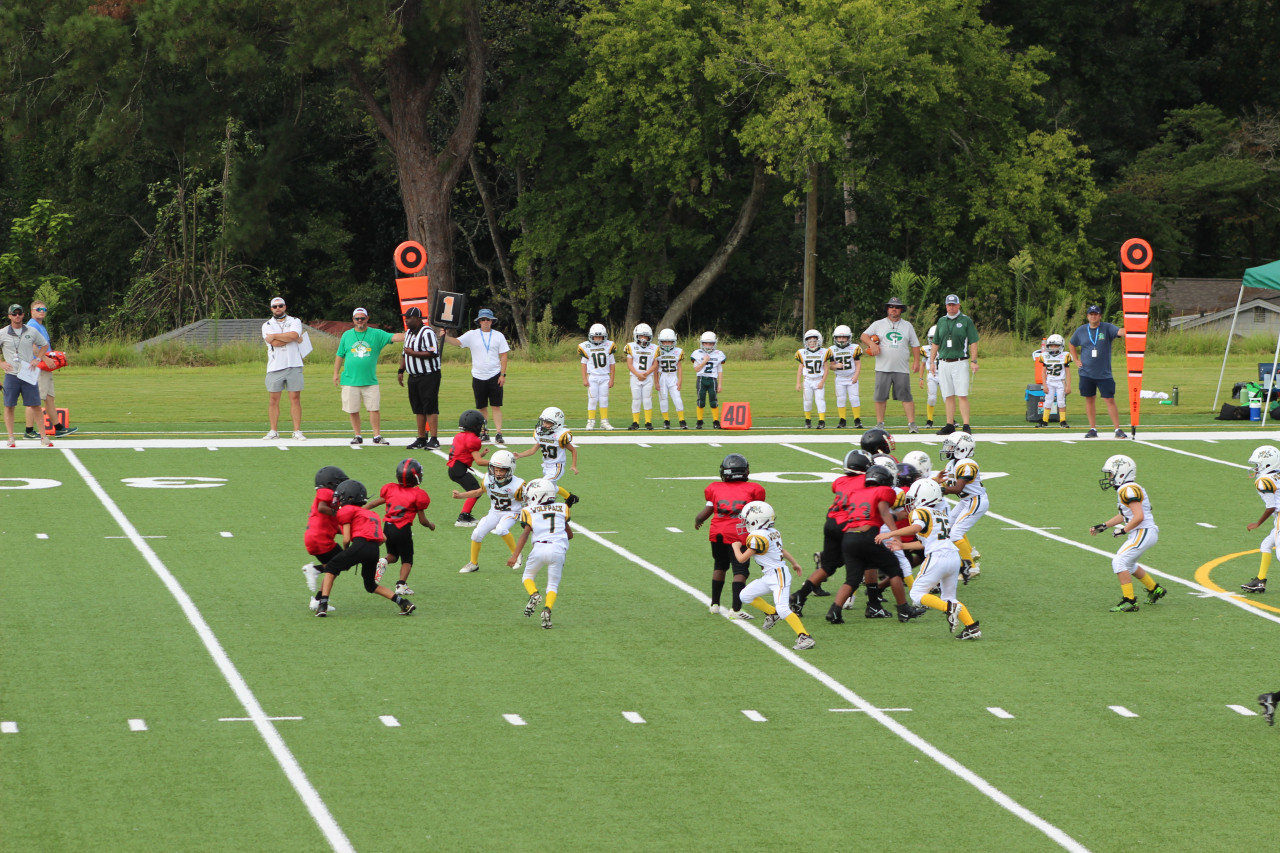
(861, 553)
(722, 559)
(424, 393)
(399, 541)
(360, 552)
(832, 556)
(487, 392)
(461, 474)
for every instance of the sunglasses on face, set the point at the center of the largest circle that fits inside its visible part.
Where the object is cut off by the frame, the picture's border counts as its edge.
(15, 313)
(39, 310)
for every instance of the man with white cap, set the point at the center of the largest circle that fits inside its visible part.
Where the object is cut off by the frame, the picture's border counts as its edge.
(355, 371)
(283, 335)
(954, 352)
(488, 368)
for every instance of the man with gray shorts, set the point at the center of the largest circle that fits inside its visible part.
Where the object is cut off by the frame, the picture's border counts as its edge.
(896, 348)
(283, 335)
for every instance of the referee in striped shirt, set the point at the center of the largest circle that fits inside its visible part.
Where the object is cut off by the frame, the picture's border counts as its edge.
(421, 358)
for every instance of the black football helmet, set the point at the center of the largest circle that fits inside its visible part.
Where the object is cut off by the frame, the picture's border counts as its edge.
(907, 474)
(877, 440)
(350, 492)
(329, 477)
(472, 421)
(409, 472)
(856, 462)
(734, 468)
(878, 475)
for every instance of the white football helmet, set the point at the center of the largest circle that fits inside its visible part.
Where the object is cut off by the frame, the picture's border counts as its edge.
(921, 461)
(1265, 460)
(757, 515)
(708, 341)
(958, 445)
(815, 336)
(667, 339)
(502, 465)
(642, 334)
(933, 330)
(886, 460)
(924, 492)
(842, 331)
(550, 415)
(597, 333)
(1117, 471)
(1054, 344)
(540, 492)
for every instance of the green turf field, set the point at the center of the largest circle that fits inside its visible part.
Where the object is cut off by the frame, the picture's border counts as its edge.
(164, 686)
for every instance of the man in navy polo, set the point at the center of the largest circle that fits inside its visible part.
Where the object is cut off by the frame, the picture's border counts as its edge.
(1091, 349)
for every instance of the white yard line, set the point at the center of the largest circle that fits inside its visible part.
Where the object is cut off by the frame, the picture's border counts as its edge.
(982, 785)
(275, 743)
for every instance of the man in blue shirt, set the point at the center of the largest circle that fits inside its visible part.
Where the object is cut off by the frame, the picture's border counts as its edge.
(39, 311)
(1091, 349)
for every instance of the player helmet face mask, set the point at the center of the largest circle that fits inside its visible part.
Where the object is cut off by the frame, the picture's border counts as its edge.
(842, 335)
(409, 472)
(597, 333)
(667, 340)
(907, 474)
(708, 341)
(921, 461)
(856, 462)
(1117, 471)
(540, 492)
(1265, 460)
(471, 421)
(757, 515)
(350, 492)
(812, 340)
(1054, 344)
(643, 334)
(550, 420)
(502, 466)
(962, 445)
(876, 440)
(329, 477)
(925, 493)
(734, 468)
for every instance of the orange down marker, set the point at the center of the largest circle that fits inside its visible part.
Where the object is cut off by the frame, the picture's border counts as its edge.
(1135, 294)
(410, 258)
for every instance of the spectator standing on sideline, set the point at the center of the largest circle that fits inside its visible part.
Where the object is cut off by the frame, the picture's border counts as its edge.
(45, 381)
(355, 371)
(21, 345)
(421, 358)
(283, 335)
(488, 368)
(954, 353)
(1091, 349)
(896, 348)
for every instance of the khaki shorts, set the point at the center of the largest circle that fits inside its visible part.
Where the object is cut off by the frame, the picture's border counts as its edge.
(45, 381)
(354, 395)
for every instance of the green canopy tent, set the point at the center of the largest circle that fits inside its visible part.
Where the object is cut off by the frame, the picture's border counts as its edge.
(1268, 278)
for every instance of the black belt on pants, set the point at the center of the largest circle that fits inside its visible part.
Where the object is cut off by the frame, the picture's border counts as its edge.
(951, 359)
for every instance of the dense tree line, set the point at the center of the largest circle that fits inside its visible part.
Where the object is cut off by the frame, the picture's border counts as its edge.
(620, 160)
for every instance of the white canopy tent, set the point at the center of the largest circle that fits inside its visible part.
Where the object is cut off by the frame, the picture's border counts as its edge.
(1268, 278)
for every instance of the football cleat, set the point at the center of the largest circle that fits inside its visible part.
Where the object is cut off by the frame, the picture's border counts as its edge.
(1156, 594)
(684, 425)
(1065, 425)
(1255, 585)
(908, 611)
(715, 608)
(380, 570)
(852, 602)
(697, 425)
(1268, 701)
(432, 443)
(875, 611)
(715, 425)
(741, 614)
(407, 607)
(834, 615)
(402, 588)
(771, 620)
(604, 424)
(966, 569)
(532, 604)
(546, 617)
(648, 425)
(971, 632)
(1041, 424)
(666, 424)
(928, 424)
(1126, 605)
(808, 424)
(468, 569)
(843, 424)
(591, 424)
(857, 423)
(796, 605)
(953, 616)
(819, 592)
(635, 425)
(822, 424)
(465, 519)
(804, 641)
(311, 575)
(314, 604)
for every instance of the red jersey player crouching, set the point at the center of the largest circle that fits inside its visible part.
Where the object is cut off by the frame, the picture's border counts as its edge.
(764, 543)
(322, 527)
(361, 537)
(545, 520)
(404, 499)
(726, 499)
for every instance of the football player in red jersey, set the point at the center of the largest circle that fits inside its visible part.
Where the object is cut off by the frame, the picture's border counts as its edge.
(856, 463)
(866, 510)
(725, 499)
(404, 499)
(467, 450)
(361, 536)
(322, 527)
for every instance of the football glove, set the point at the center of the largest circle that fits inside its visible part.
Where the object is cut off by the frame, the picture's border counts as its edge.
(1098, 528)
(1119, 531)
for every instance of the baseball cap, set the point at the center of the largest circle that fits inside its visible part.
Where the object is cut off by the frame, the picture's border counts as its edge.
(952, 299)
(1094, 309)
(894, 302)
(415, 311)
(277, 302)
(486, 314)
(15, 308)
(359, 312)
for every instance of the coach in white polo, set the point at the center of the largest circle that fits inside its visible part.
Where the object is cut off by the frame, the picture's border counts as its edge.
(489, 350)
(283, 335)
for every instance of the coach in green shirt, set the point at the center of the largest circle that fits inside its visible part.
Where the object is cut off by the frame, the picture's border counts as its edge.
(955, 358)
(355, 370)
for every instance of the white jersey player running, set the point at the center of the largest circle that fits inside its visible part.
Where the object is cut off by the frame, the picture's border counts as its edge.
(555, 442)
(545, 521)
(506, 497)
(1135, 521)
(1266, 472)
(764, 544)
(962, 478)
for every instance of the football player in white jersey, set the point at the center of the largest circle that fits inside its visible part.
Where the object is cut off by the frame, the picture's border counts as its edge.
(642, 363)
(929, 376)
(811, 377)
(670, 378)
(708, 366)
(545, 520)
(598, 367)
(928, 523)
(505, 502)
(764, 543)
(1135, 521)
(1057, 379)
(846, 367)
(1266, 468)
(961, 478)
(555, 442)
